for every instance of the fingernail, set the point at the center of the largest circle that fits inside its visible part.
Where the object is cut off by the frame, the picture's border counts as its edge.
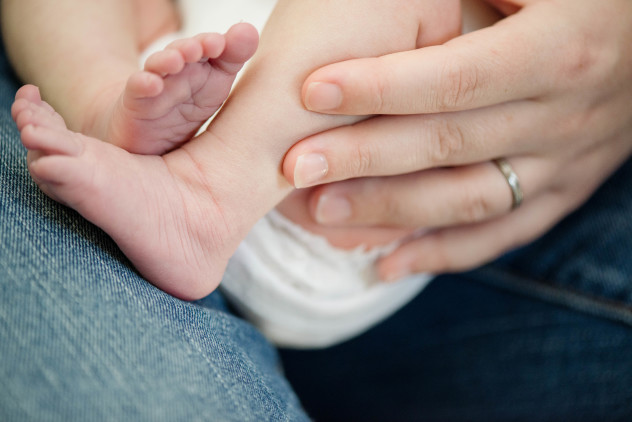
(332, 209)
(322, 96)
(310, 169)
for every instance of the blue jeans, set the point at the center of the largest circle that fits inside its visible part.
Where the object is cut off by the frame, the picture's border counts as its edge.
(542, 334)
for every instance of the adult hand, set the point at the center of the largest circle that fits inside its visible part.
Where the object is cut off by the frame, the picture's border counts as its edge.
(549, 87)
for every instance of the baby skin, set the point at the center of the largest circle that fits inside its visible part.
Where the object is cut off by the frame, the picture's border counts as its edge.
(180, 87)
(98, 88)
(180, 216)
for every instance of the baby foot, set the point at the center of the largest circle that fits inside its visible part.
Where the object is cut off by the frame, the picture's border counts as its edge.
(166, 221)
(181, 87)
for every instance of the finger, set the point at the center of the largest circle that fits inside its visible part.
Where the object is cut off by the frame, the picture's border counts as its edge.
(466, 247)
(389, 145)
(431, 198)
(489, 66)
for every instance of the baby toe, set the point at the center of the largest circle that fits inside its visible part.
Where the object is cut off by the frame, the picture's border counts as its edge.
(166, 62)
(143, 84)
(50, 140)
(29, 93)
(213, 44)
(190, 49)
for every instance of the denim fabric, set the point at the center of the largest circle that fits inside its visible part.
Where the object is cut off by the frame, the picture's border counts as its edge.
(83, 337)
(465, 351)
(542, 334)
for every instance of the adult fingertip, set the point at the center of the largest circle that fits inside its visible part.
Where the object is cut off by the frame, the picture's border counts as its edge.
(310, 169)
(322, 96)
(306, 164)
(305, 169)
(287, 167)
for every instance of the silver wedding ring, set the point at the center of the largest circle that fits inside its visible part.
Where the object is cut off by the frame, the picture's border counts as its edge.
(512, 180)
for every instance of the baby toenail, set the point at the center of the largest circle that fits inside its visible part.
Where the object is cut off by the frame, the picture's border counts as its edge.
(310, 169)
(332, 209)
(322, 96)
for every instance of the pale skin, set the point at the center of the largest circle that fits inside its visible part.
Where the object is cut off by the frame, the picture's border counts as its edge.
(98, 87)
(548, 87)
(187, 210)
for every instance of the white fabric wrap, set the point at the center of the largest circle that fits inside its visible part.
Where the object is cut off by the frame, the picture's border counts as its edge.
(302, 292)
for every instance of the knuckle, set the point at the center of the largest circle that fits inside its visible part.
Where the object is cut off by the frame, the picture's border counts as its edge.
(583, 59)
(449, 141)
(393, 211)
(475, 207)
(458, 86)
(380, 87)
(361, 161)
(387, 206)
(579, 59)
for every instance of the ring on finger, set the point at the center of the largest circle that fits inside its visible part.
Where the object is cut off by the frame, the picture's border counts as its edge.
(512, 180)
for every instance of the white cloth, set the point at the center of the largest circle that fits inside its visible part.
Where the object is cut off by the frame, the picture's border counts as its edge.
(302, 292)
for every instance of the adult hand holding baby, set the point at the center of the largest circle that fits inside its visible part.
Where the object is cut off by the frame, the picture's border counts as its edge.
(547, 87)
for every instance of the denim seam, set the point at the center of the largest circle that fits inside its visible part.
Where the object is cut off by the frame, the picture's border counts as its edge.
(561, 295)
